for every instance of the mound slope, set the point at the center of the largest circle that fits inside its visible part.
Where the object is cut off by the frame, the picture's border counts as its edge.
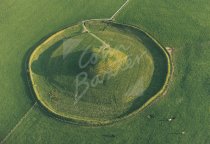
(78, 78)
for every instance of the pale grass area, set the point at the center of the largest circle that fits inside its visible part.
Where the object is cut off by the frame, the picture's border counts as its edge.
(111, 60)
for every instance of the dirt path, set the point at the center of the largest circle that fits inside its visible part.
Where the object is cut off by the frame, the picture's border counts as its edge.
(105, 45)
(85, 29)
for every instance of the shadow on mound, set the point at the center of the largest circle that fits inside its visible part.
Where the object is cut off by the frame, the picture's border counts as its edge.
(46, 65)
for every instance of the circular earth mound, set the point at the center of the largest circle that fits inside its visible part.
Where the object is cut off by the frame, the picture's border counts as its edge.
(98, 72)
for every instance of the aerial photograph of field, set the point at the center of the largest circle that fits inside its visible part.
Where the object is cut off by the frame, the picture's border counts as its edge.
(104, 72)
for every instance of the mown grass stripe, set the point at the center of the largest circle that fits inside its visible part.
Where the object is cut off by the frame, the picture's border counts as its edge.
(117, 12)
(18, 124)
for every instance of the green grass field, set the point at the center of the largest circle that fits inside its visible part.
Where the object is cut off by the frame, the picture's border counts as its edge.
(182, 25)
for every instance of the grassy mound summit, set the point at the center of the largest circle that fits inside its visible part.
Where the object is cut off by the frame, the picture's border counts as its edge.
(107, 61)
